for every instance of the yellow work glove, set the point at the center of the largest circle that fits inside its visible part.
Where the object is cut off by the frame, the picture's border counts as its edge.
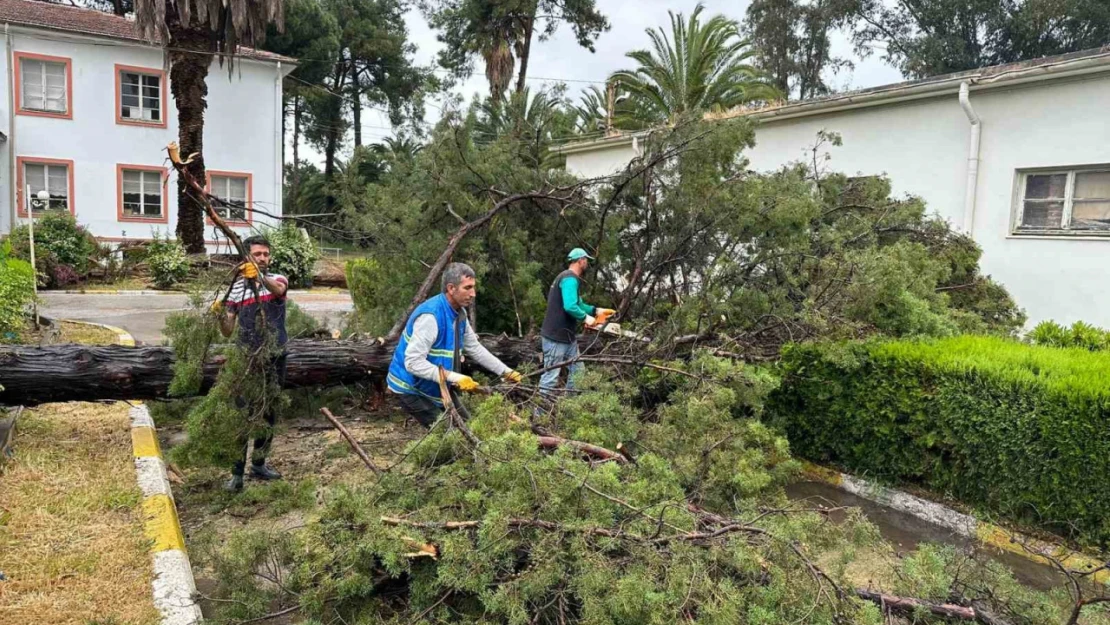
(217, 307)
(467, 384)
(249, 271)
(513, 376)
(603, 315)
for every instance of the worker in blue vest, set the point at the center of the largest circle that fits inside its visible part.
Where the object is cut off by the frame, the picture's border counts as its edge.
(437, 335)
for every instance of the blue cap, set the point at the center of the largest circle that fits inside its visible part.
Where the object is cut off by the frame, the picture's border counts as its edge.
(577, 253)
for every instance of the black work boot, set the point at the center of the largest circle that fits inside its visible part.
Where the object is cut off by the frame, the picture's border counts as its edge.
(263, 472)
(235, 484)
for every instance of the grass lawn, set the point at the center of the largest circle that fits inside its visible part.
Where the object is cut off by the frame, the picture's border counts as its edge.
(71, 528)
(65, 332)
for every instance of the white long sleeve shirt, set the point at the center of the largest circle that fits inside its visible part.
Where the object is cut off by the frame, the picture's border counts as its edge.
(424, 333)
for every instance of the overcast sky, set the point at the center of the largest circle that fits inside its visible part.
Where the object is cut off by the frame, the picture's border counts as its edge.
(562, 58)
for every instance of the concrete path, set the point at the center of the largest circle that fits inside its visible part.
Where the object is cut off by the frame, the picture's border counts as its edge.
(145, 315)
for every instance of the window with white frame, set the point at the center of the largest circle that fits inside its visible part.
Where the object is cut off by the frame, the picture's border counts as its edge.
(140, 97)
(1066, 201)
(52, 178)
(142, 194)
(233, 190)
(43, 85)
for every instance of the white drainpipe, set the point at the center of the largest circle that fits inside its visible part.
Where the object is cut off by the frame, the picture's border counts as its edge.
(972, 159)
(11, 129)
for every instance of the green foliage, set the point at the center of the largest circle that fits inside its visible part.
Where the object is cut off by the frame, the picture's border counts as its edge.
(298, 323)
(1080, 335)
(17, 290)
(697, 67)
(1018, 430)
(292, 254)
(168, 262)
(64, 250)
(793, 42)
(918, 38)
(789, 255)
(349, 562)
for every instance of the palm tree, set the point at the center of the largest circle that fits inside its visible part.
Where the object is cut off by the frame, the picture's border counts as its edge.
(697, 68)
(193, 31)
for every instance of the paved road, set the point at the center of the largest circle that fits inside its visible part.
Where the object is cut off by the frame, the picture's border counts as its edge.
(145, 315)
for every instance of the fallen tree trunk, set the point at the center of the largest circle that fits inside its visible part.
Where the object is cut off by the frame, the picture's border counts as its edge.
(35, 375)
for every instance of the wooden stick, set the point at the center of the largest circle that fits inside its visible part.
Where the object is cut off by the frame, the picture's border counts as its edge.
(553, 442)
(907, 605)
(351, 440)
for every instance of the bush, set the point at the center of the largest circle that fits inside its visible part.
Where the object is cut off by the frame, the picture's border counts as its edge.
(167, 261)
(17, 290)
(1080, 335)
(376, 307)
(1017, 430)
(293, 255)
(58, 239)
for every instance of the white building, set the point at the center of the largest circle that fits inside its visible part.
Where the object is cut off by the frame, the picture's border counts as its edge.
(87, 115)
(1021, 160)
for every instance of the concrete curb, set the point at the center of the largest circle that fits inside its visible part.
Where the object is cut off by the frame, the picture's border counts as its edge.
(173, 586)
(124, 337)
(959, 523)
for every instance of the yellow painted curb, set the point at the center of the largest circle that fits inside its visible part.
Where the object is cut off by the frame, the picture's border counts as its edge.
(1036, 550)
(162, 525)
(145, 443)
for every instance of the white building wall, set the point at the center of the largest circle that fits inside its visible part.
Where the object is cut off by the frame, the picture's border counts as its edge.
(922, 146)
(241, 134)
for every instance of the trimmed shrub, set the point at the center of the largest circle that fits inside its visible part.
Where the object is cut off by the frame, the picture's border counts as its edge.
(17, 290)
(1017, 430)
(168, 262)
(293, 254)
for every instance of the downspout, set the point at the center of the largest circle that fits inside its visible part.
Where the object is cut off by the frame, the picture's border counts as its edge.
(278, 151)
(11, 130)
(972, 159)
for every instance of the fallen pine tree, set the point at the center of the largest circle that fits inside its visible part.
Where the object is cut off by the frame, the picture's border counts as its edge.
(34, 375)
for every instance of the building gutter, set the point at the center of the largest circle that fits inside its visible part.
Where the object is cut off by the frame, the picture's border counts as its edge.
(972, 158)
(13, 181)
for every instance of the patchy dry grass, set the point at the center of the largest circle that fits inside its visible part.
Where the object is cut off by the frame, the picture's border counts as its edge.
(71, 528)
(66, 332)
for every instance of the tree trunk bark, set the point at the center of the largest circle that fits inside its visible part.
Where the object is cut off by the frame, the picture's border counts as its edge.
(188, 72)
(331, 146)
(35, 375)
(296, 173)
(356, 105)
(117, 8)
(524, 51)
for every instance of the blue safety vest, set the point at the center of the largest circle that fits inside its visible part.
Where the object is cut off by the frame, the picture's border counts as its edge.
(442, 353)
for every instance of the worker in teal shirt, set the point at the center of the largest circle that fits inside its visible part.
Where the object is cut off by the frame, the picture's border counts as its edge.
(565, 309)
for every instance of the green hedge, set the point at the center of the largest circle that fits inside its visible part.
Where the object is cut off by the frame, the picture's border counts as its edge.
(1016, 430)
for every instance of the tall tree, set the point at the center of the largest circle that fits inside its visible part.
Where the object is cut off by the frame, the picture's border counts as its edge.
(793, 42)
(311, 35)
(929, 37)
(697, 67)
(193, 31)
(501, 33)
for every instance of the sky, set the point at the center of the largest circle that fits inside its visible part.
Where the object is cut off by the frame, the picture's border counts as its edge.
(560, 57)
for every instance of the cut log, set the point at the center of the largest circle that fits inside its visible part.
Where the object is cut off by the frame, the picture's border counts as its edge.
(35, 375)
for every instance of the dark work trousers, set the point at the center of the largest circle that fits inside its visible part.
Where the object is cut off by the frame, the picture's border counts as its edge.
(421, 408)
(262, 443)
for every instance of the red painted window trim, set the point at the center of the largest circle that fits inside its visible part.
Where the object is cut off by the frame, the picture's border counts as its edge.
(120, 216)
(250, 193)
(19, 110)
(162, 87)
(20, 161)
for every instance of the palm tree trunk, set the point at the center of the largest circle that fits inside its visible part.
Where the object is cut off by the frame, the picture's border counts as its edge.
(188, 72)
(117, 8)
(356, 104)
